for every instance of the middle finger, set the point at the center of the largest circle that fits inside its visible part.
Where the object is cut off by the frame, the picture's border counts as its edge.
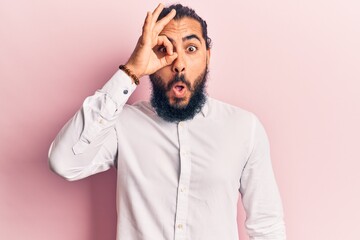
(156, 13)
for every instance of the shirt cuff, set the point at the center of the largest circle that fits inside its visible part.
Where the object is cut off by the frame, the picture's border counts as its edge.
(119, 88)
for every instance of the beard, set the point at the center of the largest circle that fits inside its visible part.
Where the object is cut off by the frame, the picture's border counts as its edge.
(178, 112)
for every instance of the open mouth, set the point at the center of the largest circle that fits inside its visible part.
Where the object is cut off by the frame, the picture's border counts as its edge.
(179, 89)
(179, 86)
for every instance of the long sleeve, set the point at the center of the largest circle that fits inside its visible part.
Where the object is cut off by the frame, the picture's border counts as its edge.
(87, 143)
(259, 191)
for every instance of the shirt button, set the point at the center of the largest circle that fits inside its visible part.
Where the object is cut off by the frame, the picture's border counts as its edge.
(182, 189)
(125, 91)
(181, 124)
(180, 226)
(184, 154)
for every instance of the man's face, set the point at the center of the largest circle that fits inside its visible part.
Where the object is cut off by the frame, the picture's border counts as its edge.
(180, 80)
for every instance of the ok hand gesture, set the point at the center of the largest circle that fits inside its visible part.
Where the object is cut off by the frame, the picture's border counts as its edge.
(143, 60)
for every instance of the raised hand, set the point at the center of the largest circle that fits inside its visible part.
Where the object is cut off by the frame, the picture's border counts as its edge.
(143, 60)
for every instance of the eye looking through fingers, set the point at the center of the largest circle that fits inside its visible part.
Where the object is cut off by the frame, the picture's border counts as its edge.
(161, 49)
(165, 43)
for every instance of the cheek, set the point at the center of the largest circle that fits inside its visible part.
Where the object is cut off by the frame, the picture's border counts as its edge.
(196, 67)
(197, 63)
(164, 74)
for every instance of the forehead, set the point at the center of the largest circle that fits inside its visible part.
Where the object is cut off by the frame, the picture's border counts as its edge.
(179, 28)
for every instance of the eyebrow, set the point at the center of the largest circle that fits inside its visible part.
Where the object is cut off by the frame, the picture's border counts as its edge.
(186, 38)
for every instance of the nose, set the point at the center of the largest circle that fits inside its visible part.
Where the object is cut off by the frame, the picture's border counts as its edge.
(179, 64)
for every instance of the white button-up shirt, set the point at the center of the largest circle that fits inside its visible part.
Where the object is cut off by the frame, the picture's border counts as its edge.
(175, 181)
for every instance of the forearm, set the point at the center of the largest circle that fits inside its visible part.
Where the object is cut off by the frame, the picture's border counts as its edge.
(87, 143)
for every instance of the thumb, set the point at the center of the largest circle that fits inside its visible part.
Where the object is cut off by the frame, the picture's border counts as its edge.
(168, 59)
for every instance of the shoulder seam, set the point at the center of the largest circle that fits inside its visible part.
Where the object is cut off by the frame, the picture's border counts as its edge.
(252, 140)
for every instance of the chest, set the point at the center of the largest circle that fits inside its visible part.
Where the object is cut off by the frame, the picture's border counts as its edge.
(208, 152)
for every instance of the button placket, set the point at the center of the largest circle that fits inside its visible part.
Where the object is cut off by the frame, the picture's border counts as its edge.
(184, 181)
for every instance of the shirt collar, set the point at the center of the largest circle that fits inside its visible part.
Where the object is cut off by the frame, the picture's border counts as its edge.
(205, 109)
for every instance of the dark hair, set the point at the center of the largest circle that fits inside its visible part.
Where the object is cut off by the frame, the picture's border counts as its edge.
(183, 11)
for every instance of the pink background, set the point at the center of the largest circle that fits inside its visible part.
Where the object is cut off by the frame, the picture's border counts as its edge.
(293, 63)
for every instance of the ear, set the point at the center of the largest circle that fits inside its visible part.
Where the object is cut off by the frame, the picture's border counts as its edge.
(208, 56)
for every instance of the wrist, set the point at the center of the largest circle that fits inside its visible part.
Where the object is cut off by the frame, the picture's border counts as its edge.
(130, 71)
(133, 69)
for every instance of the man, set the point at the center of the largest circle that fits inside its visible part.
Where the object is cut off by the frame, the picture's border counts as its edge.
(181, 159)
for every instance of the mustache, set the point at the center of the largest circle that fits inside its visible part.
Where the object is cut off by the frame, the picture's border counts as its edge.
(176, 79)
